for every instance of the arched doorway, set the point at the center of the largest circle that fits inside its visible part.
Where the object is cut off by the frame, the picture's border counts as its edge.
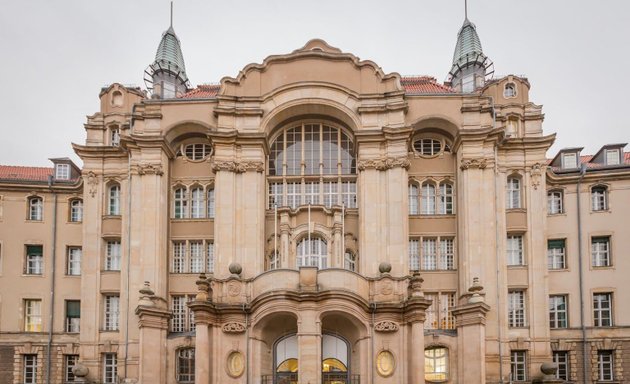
(286, 360)
(335, 360)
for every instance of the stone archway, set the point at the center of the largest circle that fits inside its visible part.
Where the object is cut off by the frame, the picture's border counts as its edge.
(345, 348)
(270, 332)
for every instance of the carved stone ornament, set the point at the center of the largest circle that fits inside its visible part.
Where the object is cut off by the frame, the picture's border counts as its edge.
(238, 166)
(384, 163)
(233, 327)
(536, 174)
(385, 363)
(150, 169)
(479, 163)
(235, 364)
(92, 181)
(386, 326)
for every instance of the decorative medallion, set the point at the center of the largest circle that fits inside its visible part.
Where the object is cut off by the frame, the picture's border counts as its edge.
(234, 288)
(386, 326)
(92, 181)
(387, 288)
(385, 363)
(536, 173)
(235, 364)
(233, 327)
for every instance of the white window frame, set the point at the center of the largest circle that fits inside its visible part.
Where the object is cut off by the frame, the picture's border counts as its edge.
(110, 368)
(76, 210)
(515, 250)
(350, 261)
(445, 199)
(186, 375)
(413, 199)
(29, 373)
(34, 261)
(556, 256)
(33, 321)
(558, 311)
(197, 151)
(73, 261)
(561, 358)
(183, 317)
(180, 202)
(554, 202)
(62, 171)
(273, 261)
(211, 201)
(438, 314)
(72, 324)
(111, 312)
(113, 255)
(518, 366)
(197, 203)
(513, 193)
(599, 198)
(113, 201)
(428, 198)
(197, 256)
(69, 361)
(517, 315)
(605, 365)
(602, 309)
(276, 195)
(437, 363)
(570, 160)
(612, 156)
(192, 256)
(601, 251)
(312, 252)
(35, 208)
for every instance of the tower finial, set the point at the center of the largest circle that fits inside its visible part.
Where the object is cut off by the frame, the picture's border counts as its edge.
(465, 10)
(171, 14)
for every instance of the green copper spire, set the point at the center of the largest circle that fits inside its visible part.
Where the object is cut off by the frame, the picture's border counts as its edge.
(169, 55)
(468, 44)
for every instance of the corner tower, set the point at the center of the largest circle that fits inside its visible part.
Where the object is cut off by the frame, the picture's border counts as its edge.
(166, 77)
(471, 66)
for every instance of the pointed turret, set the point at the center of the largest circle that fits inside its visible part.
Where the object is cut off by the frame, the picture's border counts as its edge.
(166, 76)
(471, 66)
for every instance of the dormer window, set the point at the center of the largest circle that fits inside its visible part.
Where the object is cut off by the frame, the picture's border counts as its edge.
(612, 157)
(509, 91)
(569, 160)
(62, 171)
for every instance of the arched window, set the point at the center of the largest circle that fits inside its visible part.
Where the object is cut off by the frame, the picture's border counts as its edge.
(312, 252)
(436, 364)
(180, 203)
(76, 210)
(335, 356)
(35, 208)
(210, 203)
(113, 203)
(554, 202)
(513, 193)
(509, 91)
(186, 365)
(312, 149)
(446, 199)
(197, 210)
(413, 199)
(427, 146)
(599, 200)
(428, 199)
(350, 261)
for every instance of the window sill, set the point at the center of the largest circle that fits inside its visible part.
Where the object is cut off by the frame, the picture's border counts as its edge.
(517, 266)
(34, 221)
(607, 210)
(108, 216)
(72, 275)
(190, 220)
(432, 215)
(109, 330)
(557, 214)
(32, 275)
(74, 222)
(515, 210)
(112, 271)
(558, 269)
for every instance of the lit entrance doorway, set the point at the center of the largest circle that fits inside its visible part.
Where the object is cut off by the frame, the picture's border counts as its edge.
(335, 354)
(286, 360)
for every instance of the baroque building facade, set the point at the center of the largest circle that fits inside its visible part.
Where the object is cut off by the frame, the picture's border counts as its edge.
(314, 219)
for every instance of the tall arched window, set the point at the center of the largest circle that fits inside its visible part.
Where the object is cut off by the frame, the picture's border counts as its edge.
(312, 252)
(413, 199)
(113, 206)
(35, 208)
(446, 199)
(186, 365)
(197, 210)
(428, 199)
(180, 203)
(599, 201)
(211, 203)
(312, 163)
(513, 193)
(76, 210)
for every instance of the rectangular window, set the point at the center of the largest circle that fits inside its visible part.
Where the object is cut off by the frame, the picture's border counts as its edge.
(311, 193)
(513, 193)
(330, 194)
(349, 194)
(76, 211)
(275, 195)
(112, 255)
(110, 368)
(429, 254)
(612, 157)
(73, 264)
(35, 208)
(558, 311)
(32, 315)
(561, 358)
(196, 257)
(34, 263)
(554, 202)
(211, 211)
(569, 160)
(413, 199)
(556, 254)
(518, 365)
(598, 198)
(69, 362)
(605, 365)
(62, 171)
(73, 316)
(294, 194)
(414, 255)
(111, 312)
(197, 209)
(446, 199)
(210, 258)
(602, 309)
(447, 254)
(30, 369)
(600, 251)
(516, 308)
(182, 320)
(180, 203)
(438, 315)
(179, 257)
(515, 250)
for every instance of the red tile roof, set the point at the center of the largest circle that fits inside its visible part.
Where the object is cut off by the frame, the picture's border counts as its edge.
(204, 91)
(11, 172)
(418, 85)
(413, 85)
(585, 159)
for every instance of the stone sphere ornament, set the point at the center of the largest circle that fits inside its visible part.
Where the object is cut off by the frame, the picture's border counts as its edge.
(80, 370)
(384, 267)
(235, 268)
(549, 368)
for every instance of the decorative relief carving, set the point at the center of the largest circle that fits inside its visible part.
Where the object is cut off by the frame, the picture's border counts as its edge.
(233, 327)
(536, 173)
(235, 364)
(92, 181)
(479, 163)
(387, 288)
(234, 288)
(384, 163)
(238, 166)
(150, 169)
(386, 326)
(385, 363)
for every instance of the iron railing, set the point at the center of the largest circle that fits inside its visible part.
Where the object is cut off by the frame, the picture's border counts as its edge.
(327, 378)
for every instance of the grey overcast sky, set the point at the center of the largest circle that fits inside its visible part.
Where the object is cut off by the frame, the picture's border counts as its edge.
(56, 55)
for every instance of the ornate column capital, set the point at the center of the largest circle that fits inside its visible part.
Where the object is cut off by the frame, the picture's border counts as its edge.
(384, 163)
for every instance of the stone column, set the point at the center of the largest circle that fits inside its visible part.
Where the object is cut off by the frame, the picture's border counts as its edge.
(309, 346)
(204, 313)
(153, 323)
(470, 319)
(415, 314)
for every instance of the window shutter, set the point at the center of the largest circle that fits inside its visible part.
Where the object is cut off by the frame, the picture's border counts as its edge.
(555, 244)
